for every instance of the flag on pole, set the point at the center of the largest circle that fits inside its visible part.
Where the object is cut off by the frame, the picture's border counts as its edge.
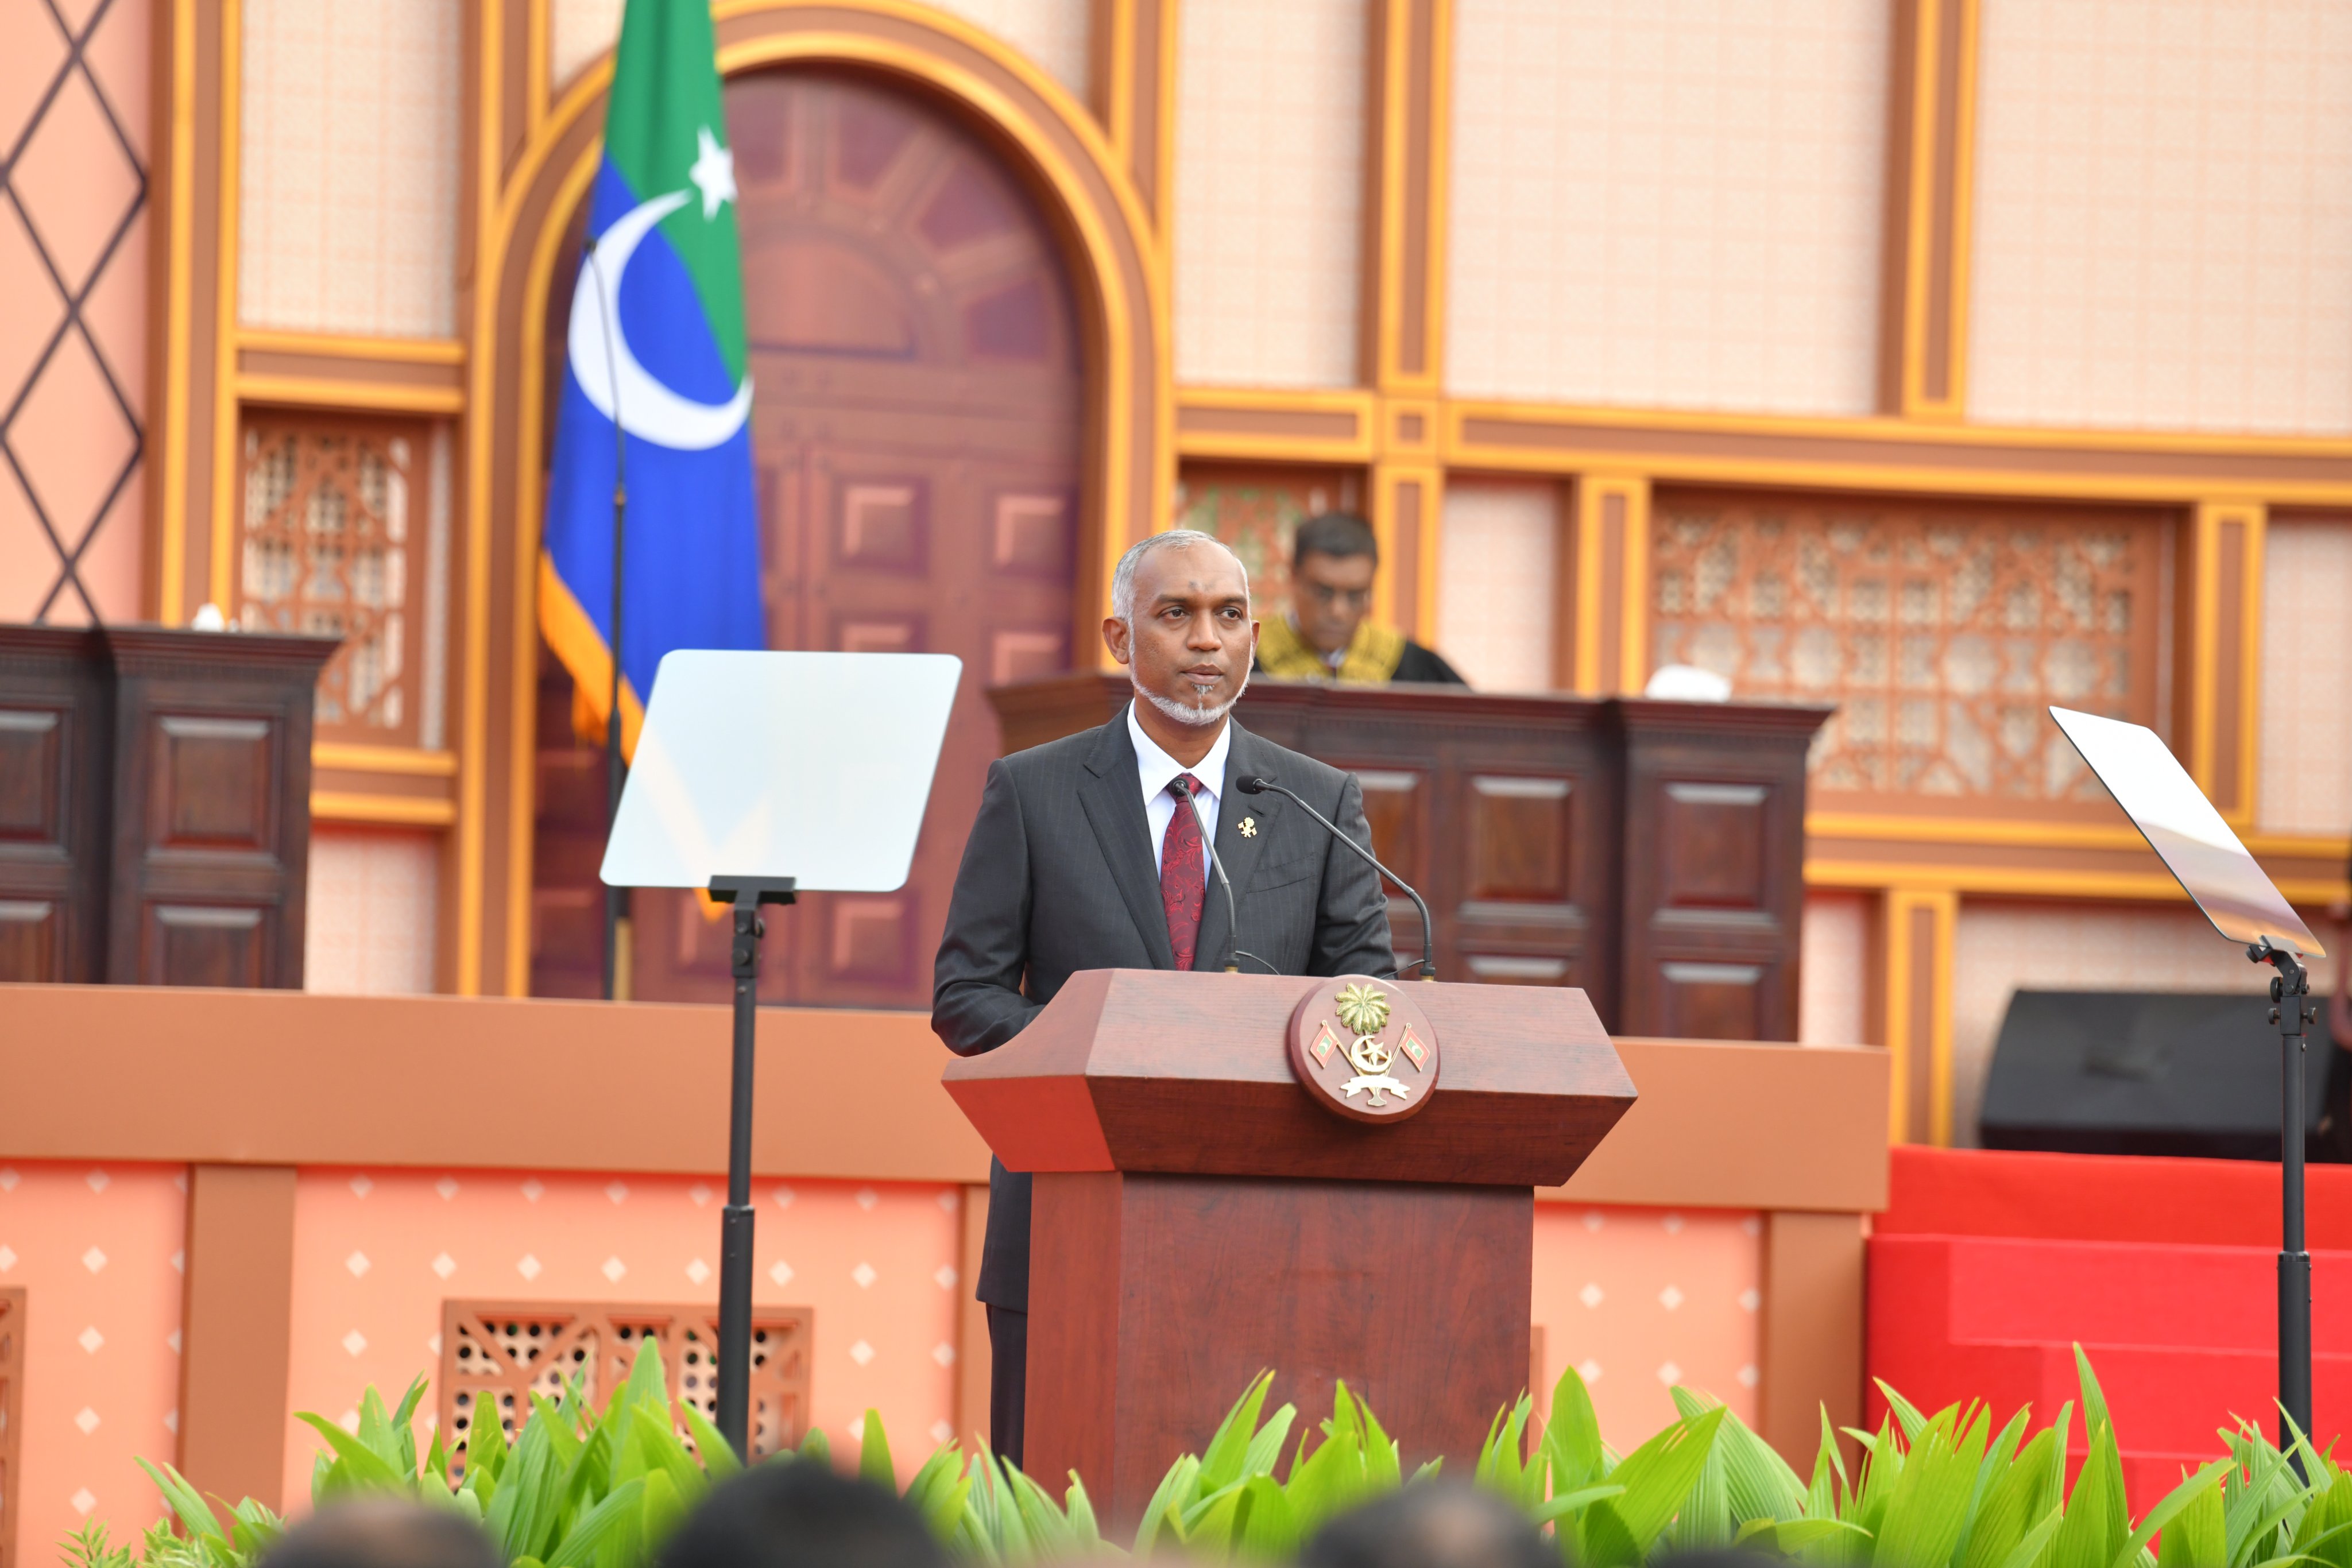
(656, 347)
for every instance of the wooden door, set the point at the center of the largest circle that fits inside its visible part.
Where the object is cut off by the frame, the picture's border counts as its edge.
(916, 423)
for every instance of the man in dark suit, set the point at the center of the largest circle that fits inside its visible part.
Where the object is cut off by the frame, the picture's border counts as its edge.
(1087, 855)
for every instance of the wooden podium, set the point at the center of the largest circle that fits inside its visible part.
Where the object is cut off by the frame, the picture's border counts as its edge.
(1199, 1217)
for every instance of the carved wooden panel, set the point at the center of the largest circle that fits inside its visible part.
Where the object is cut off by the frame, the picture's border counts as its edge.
(56, 737)
(211, 789)
(1503, 809)
(1519, 834)
(31, 932)
(205, 944)
(1715, 809)
(1714, 1001)
(211, 802)
(1940, 632)
(494, 1356)
(12, 1416)
(1714, 845)
(1396, 807)
(1032, 535)
(883, 527)
(32, 774)
(154, 805)
(332, 543)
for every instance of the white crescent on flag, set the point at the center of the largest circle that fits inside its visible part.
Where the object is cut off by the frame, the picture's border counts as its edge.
(603, 363)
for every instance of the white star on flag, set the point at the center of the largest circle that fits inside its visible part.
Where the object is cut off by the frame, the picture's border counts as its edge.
(713, 173)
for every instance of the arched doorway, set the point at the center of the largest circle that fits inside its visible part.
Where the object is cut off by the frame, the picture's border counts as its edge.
(917, 420)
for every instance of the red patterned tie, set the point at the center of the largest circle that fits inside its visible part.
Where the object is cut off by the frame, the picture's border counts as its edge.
(1183, 885)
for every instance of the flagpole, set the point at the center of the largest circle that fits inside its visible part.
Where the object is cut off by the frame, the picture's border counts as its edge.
(616, 899)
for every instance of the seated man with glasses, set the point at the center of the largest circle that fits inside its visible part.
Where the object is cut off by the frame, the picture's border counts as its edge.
(1327, 633)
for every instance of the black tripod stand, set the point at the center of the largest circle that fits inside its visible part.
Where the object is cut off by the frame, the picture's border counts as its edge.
(2290, 1012)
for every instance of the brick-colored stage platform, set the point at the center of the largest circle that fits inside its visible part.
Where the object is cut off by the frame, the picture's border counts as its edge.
(1987, 1267)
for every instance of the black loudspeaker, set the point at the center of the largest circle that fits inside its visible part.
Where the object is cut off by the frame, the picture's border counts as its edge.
(2133, 1072)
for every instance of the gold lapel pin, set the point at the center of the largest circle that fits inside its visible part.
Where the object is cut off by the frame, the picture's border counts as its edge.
(1249, 827)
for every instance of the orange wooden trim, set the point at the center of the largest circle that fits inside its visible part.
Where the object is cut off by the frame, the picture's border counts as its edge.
(1922, 318)
(361, 758)
(1917, 925)
(209, 1076)
(12, 1418)
(972, 1379)
(227, 472)
(359, 349)
(2246, 702)
(1809, 1342)
(330, 392)
(1609, 617)
(1407, 500)
(2217, 670)
(171, 303)
(238, 1325)
(1253, 423)
(387, 811)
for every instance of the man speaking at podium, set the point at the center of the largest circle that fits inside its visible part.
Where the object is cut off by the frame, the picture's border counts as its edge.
(1087, 855)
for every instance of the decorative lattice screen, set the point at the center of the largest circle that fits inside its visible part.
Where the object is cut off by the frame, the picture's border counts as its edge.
(1941, 633)
(494, 1356)
(1256, 509)
(330, 547)
(12, 1407)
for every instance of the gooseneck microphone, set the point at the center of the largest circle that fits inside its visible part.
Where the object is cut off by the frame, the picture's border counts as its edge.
(1256, 784)
(1232, 918)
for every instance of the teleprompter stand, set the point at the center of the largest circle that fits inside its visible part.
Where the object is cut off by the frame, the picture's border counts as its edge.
(760, 776)
(2292, 1013)
(747, 893)
(2236, 896)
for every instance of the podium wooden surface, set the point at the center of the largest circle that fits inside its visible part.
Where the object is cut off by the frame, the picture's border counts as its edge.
(1198, 1218)
(1649, 852)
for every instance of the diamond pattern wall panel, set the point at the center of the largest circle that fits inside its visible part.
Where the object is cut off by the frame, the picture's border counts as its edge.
(73, 268)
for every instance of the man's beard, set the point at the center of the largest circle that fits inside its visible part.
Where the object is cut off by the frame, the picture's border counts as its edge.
(1199, 715)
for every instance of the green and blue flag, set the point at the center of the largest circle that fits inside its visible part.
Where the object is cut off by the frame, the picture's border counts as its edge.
(657, 349)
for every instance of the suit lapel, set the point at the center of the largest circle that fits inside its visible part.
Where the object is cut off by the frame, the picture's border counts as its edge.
(1238, 850)
(1113, 800)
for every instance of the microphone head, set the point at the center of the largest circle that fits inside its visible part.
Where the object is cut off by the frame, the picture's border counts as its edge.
(1252, 785)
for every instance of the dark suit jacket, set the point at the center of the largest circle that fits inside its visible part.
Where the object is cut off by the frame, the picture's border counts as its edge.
(1058, 876)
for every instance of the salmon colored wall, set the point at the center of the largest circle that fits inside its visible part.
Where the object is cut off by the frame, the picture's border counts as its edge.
(1640, 1299)
(1623, 1291)
(97, 1250)
(76, 185)
(377, 1251)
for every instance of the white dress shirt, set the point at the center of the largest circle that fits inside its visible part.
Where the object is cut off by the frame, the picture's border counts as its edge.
(1154, 770)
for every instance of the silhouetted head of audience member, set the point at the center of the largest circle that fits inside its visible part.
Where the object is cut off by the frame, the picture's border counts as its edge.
(801, 1514)
(384, 1532)
(1436, 1525)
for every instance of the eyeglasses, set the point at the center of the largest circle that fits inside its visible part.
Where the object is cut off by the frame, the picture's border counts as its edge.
(1324, 594)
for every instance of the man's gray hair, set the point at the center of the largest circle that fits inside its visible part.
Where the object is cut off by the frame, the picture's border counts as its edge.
(1122, 579)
